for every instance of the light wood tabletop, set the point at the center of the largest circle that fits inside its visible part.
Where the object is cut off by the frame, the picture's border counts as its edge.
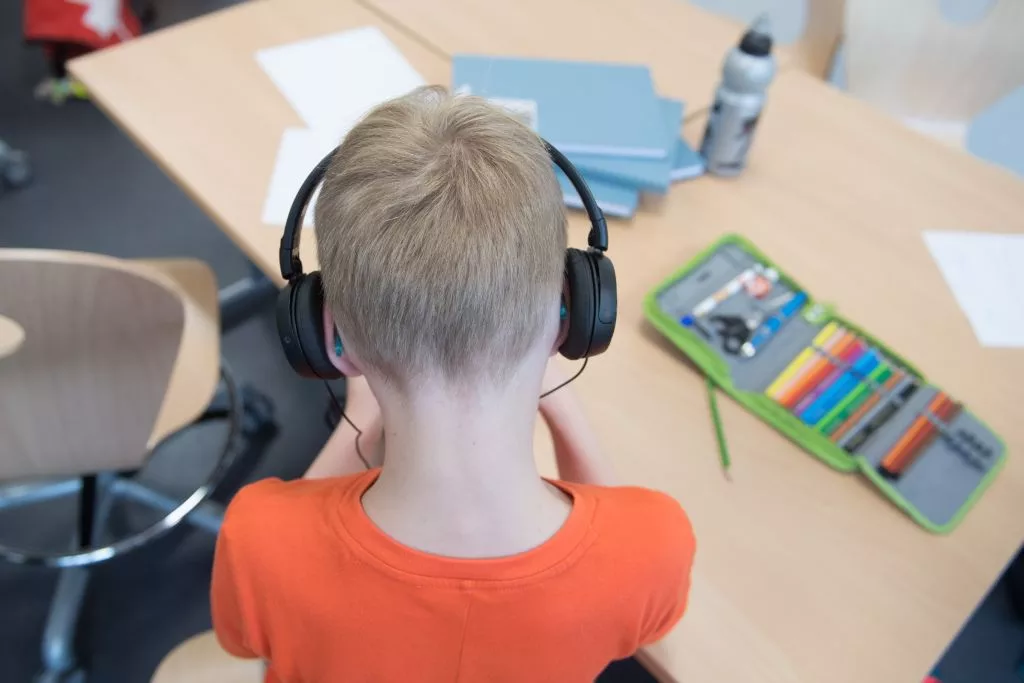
(684, 45)
(803, 574)
(194, 98)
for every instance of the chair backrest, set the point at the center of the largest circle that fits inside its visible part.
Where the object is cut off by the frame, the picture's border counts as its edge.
(908, 58)
(822, 34)
(810, 29)
(82, 388)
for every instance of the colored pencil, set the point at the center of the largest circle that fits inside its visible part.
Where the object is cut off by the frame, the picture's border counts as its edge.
(849, 356)
(834, 342)
(803, 357)
(857, 413)
(921, 432)
(878, 419)
(852, 376)
(844, 408)
(819, 370)
(892, 459)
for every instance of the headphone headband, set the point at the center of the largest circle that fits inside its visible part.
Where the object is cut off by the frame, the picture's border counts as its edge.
(288, 253)
(597, 238)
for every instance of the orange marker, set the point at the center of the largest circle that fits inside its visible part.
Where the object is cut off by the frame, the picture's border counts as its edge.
(825, 339)
(834, 344)
(821, 369)
(920, 432)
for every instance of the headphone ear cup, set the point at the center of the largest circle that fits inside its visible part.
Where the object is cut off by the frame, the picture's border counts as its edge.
(286, 333)
(607, 307)
(580, 276)
(300, 324)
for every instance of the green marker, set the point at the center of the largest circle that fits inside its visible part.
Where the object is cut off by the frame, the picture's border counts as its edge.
(842, 411)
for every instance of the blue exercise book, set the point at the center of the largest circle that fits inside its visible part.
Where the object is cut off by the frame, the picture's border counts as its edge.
(648, 175)
(614, 200)
(579, 107)
(651, 175)
(686, 163)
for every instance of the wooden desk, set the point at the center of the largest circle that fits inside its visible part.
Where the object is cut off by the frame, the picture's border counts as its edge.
(803, 574)
(194, 98)
(683, 44)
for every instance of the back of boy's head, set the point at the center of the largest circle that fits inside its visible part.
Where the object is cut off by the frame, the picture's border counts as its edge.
(441, 239)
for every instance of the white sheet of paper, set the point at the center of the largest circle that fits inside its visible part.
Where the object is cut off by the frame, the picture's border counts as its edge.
(334, 80)
(985, 272)
(301, 149)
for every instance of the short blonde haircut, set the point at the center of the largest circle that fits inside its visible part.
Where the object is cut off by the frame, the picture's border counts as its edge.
(441, 238)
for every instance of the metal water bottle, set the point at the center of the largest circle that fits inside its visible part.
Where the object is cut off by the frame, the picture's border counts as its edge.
(746, 74)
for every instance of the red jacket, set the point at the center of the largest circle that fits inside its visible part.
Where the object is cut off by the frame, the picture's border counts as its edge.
(91, 24)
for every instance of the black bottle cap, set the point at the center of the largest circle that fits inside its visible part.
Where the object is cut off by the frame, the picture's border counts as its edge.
(757, 41)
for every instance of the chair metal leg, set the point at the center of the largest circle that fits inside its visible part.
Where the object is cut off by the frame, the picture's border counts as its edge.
(60, 664)
(58, 648)
(86, 510)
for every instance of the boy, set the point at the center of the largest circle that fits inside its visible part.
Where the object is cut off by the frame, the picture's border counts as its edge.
(441, 238)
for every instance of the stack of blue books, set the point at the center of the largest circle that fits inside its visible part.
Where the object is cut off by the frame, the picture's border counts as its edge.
(606, 118)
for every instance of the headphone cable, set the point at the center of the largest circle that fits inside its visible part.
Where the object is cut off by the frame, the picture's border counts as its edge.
(341, 410)
(568, 381)
(359, 433)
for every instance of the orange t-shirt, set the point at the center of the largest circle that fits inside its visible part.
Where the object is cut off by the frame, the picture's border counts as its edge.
(304, 580)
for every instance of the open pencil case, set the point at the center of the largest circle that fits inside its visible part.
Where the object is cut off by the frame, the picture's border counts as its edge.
(825, 383)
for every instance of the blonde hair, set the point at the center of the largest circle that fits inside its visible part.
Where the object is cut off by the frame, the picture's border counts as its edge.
(441, 238)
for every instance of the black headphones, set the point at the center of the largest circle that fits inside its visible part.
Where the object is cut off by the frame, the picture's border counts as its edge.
(591, 307)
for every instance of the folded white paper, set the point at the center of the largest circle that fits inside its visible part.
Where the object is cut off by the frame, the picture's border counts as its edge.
(301, 149)
(333, 80)
(985, 272)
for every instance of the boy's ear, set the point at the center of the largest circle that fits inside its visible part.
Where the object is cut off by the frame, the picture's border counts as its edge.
(345, 362)
(563, 319)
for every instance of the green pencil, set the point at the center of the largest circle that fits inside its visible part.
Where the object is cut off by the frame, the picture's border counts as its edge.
(716, 419)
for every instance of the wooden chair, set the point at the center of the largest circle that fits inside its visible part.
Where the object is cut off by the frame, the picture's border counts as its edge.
(936, 75)
(814, 50)
(817, 46)
(201, 660)
(101, 359)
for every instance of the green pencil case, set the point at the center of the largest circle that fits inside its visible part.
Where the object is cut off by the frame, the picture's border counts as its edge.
(825, 383)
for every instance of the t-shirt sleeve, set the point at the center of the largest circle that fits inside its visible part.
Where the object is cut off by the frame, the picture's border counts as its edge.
(674, 546)
(230, 594)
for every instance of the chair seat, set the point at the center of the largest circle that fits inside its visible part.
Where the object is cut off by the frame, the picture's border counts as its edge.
(200, 659)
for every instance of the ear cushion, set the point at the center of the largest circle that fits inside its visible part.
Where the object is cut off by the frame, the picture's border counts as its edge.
(580, 276)
(607, 302)
(285, 332)
(300, 322)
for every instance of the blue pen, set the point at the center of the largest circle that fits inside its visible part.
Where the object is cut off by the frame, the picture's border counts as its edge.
(773, 324)
(690, 321)
(846, 383)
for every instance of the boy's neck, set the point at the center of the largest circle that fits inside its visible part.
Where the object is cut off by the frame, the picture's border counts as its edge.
(459, 476)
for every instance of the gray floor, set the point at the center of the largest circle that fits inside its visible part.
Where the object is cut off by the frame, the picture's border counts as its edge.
(95, 191)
